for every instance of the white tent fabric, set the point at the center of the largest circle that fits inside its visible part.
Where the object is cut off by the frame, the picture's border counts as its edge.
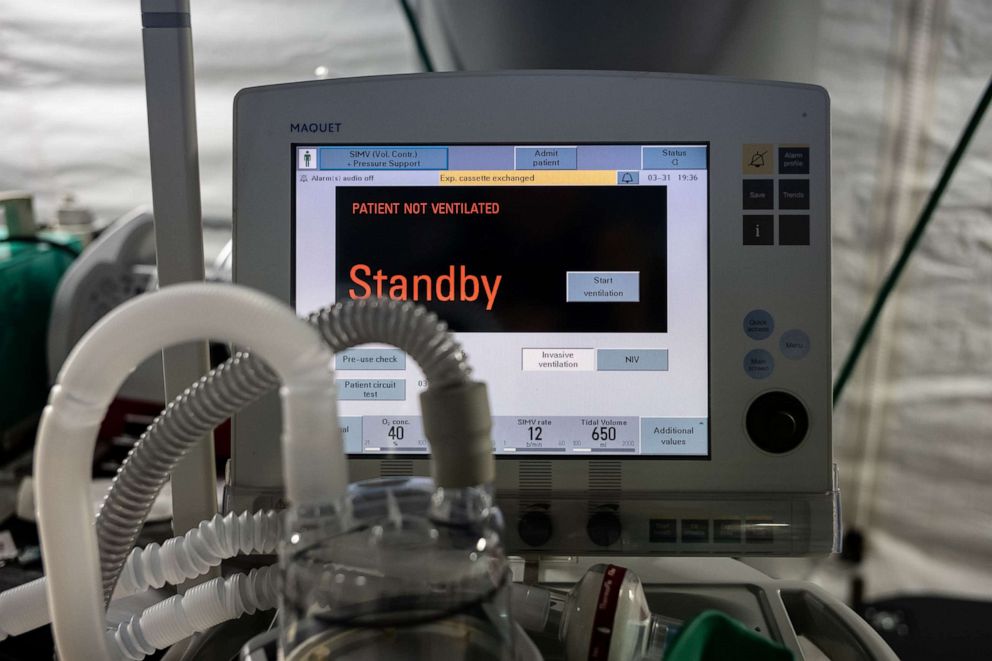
(72, 95)
(913, 435)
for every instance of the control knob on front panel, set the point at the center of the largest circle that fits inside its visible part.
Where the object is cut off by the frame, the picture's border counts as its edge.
(535, 528)
(777, 422)
(604, 528)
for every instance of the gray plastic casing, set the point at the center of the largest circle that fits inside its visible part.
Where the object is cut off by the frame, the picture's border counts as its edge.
(795, 490)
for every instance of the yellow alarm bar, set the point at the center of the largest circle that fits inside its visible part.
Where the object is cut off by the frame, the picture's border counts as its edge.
(528, 177)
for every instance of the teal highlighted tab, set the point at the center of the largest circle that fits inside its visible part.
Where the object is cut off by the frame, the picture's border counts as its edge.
(370, 359)
(632, 360)
(678, 436)
(674, 157)
(390, 390)
(383, 158)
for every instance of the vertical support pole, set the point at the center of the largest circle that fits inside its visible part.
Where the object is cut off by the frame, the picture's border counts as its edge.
(168, 55)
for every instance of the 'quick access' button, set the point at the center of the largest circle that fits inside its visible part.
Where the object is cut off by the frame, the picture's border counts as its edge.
(632, 360)
(758, 324)
(758, 364)
(602, 286)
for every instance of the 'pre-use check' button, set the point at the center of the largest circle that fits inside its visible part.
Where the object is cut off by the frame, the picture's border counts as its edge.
(602, 286)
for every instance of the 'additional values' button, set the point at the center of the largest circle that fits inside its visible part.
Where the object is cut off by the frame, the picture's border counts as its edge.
(632, 360)
(793, 193)
(794, 344)
(759, 193)
(758, 324)
(679, 436)
(793, 160)
(758, 364)
(759, 230)
(602, 286)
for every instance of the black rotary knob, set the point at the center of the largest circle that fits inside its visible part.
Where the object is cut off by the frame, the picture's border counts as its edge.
(535, 528)
(777, 422)
(604, 528)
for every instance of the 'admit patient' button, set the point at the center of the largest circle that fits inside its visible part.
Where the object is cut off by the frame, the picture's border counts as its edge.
(602, 286)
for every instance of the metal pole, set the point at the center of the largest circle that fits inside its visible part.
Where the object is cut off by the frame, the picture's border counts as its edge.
(168, 51)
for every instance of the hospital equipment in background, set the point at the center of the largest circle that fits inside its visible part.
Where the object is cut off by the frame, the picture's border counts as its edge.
(698, 427)
(31, 263)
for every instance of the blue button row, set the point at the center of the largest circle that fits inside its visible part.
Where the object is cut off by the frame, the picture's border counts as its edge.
(551, 157)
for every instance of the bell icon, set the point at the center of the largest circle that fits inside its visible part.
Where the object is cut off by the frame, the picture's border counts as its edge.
(626, 178)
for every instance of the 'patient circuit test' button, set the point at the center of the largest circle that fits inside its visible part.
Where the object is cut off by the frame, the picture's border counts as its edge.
(602, 286)
(559, 360)
(371, 389)
(370, 359)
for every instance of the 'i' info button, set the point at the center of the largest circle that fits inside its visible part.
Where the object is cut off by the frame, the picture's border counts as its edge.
(602, 286)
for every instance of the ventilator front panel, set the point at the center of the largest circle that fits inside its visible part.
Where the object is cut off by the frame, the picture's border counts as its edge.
(637, 265)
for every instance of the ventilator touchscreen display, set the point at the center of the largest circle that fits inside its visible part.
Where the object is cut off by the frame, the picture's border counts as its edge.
(575, 276)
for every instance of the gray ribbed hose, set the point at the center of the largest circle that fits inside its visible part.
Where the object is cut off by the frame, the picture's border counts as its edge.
(240, 381)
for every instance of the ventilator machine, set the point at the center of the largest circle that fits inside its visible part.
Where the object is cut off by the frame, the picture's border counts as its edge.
(524, 364)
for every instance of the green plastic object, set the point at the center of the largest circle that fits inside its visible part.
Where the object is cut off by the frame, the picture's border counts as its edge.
(715, 636)
(30, 270)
